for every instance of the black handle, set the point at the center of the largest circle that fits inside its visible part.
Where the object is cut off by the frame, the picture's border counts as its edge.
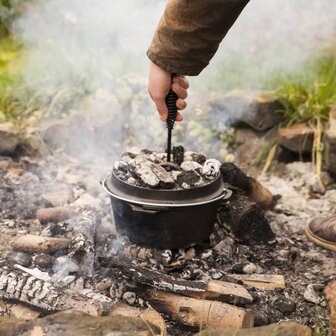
(172, 109)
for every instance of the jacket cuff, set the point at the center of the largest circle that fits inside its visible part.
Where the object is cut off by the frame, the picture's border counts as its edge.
(186, 71)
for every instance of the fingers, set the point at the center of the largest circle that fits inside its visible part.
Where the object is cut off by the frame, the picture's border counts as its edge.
(182, 81)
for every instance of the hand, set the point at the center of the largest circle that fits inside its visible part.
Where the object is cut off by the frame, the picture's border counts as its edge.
(159, 84)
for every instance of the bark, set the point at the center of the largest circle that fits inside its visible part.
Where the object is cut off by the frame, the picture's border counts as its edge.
(250, 186)
(82, 248)
(196, 313)
(245, 219)
(153, 278)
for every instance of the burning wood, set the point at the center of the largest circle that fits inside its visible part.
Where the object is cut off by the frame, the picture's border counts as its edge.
(16, 284)
(261, 280)
(251, 187)
(54, 215)
(38, 244)
(82, 248)
(197, 313)
(150, 315)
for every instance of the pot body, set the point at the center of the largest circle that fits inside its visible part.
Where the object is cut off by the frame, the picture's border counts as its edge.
(164, 219)
(164, 228)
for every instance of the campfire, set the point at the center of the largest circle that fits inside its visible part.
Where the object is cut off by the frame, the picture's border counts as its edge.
(71, 257)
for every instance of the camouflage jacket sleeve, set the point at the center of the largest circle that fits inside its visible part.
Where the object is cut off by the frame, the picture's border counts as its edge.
(190, 32)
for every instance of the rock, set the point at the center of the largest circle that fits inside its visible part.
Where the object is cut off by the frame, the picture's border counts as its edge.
(32, 144)
(73, 134)
(260, 110)
(9, 138)
(284, 305)
(129, 297)
(282, 329)
(330, 293)
(298, 138)
(329, 140)
(248, 144)
(73, 323)
(311, 294)
(23, 312)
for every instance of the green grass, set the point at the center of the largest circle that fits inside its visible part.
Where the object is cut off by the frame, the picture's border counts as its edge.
(308, 93)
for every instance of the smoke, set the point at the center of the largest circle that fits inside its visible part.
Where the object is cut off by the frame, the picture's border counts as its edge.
(88, 46)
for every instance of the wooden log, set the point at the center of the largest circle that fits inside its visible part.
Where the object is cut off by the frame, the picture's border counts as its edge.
(82, 247)
(225, 292)
(16, 284)
(276, 329)
(196, 313)
(245, 219)
(330, 293)
(54, 215)
(150, 315)
(76, 323)
(38, 244)
(250, 186)
(261, 280)
(154, 278)
(23, 312)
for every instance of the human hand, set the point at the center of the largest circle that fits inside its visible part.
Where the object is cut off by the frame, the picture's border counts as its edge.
(159, 84)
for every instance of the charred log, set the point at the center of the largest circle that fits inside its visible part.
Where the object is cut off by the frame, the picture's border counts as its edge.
(232, 175)
(245, 219)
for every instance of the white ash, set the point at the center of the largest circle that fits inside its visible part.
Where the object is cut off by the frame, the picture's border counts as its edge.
(150, 169)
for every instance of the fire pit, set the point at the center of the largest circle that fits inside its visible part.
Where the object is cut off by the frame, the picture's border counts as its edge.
(164, 208)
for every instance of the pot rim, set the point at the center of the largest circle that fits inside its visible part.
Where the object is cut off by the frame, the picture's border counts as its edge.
(225, 194)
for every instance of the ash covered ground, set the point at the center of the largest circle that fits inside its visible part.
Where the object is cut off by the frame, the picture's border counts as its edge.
(60, 180)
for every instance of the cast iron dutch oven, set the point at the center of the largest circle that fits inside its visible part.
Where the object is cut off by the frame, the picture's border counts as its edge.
(165, 219)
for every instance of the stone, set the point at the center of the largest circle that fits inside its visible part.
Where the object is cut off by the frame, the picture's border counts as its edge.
(298, 138)
(311, 294)
(32, 144)
(281, 329)
(9, 138)
(78, 324)
(260, 110)
(329, 140)
(73, 134)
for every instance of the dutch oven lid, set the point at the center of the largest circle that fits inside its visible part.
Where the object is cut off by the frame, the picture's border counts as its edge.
(207, 193)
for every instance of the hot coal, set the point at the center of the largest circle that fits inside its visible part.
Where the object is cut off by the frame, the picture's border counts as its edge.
(150, 169)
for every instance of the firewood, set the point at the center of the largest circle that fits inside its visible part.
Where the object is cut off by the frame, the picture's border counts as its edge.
(16, 284)
(150, 315)
(54, 215)
(261, 280)
(82, 248)
(251, 187)
(38, 244)
(330, 293)
(225, 292)
(245, 219)
(154, 278)
(198, 313)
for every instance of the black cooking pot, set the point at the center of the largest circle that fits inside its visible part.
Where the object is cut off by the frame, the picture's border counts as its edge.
(165, 219)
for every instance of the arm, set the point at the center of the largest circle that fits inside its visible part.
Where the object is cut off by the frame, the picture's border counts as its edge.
(188, 36)
(189, 33)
